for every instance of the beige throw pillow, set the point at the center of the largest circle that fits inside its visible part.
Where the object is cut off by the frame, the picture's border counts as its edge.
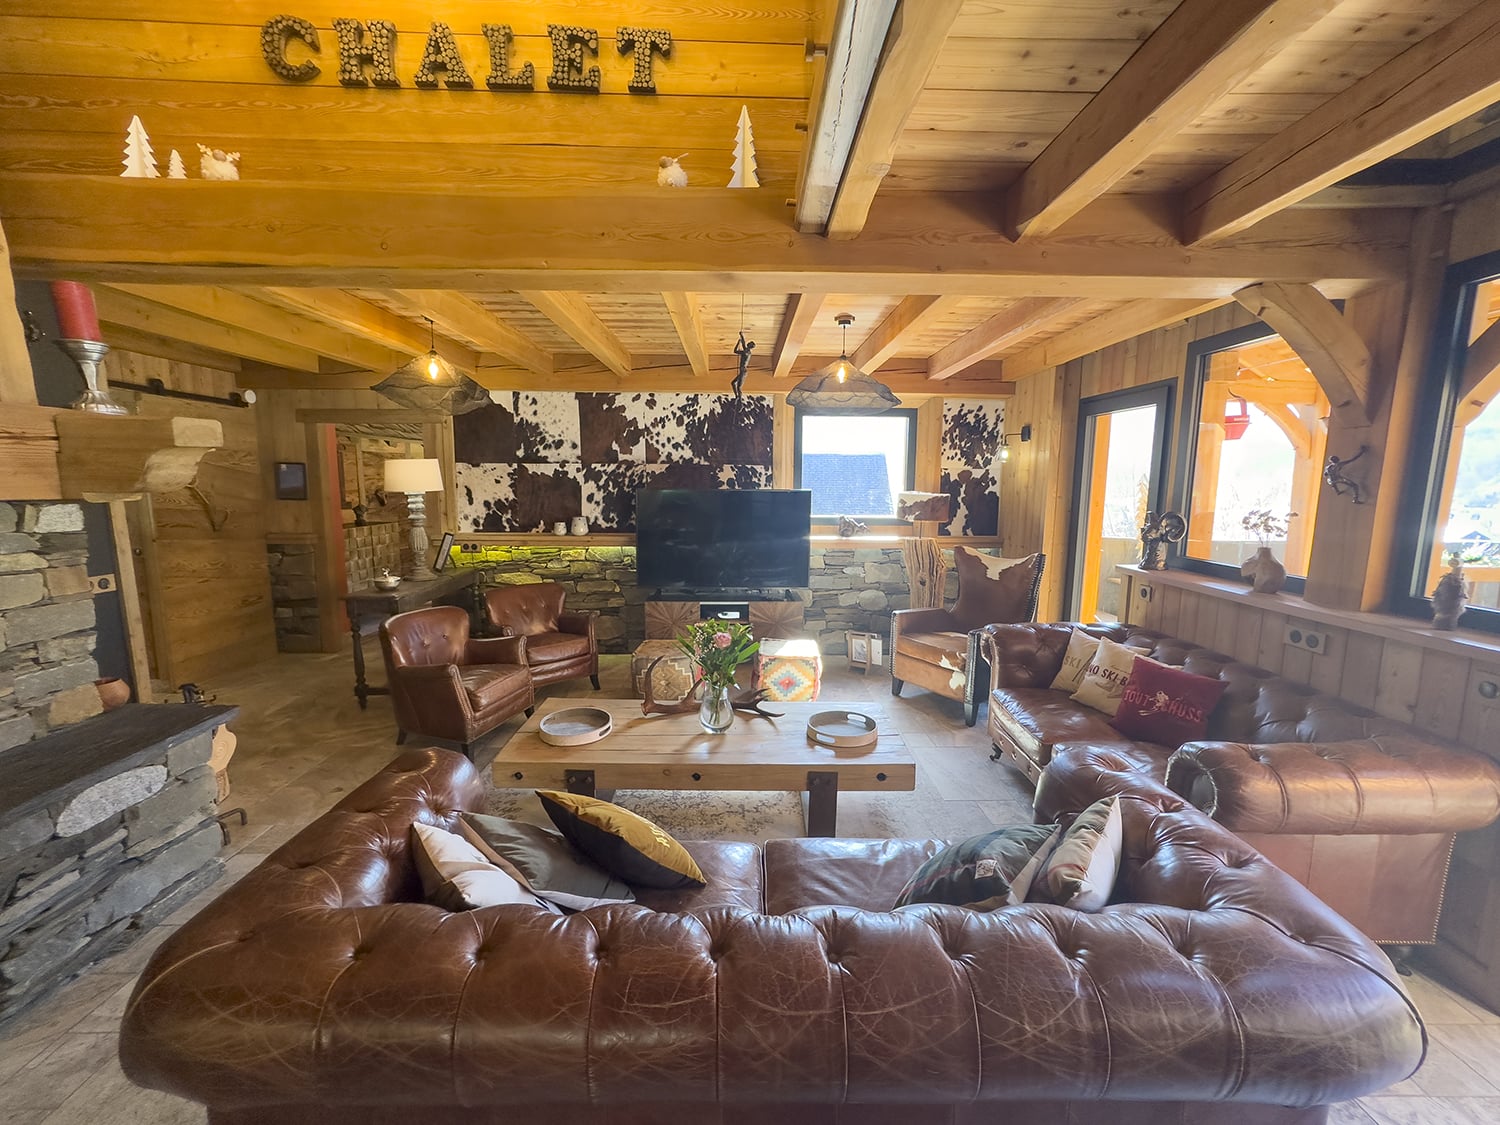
(1081, 871)
(457, 877)
(1104, 681)
(1081, 649)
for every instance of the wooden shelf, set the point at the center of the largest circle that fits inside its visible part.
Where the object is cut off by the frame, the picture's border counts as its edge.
(1408, 630)
(546, 539)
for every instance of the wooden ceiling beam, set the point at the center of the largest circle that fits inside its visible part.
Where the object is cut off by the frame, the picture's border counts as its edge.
(683, 309)
(126, 310)
(1482, 366)
(912, 45)
(908, 317)
(1099, 332)
(96, 228)
(571, 313)
(361, 318)
(1010, 326)
(802, 311)
(1198, 54)
(1433, 84)
(226, 306)
(122, 338)
(461, 316)
(1317, 331)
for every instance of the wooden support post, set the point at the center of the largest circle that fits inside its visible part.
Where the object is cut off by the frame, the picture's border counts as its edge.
(130, 602)
(17, 383)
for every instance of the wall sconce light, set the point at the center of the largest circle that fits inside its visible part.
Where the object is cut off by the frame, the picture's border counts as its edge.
(1024, 434)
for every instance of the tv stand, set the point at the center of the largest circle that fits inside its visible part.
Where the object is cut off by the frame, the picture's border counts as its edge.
(770, 613)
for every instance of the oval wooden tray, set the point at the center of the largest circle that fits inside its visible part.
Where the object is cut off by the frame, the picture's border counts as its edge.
(574, 726)
(842, 729)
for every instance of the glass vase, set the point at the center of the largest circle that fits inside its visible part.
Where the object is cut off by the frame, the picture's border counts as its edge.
(715, 711)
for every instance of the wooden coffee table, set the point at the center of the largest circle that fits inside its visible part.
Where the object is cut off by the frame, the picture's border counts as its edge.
(674, 752)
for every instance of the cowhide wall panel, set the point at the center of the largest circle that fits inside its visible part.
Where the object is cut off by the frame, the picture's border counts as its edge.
(534, 458)
(971, 442)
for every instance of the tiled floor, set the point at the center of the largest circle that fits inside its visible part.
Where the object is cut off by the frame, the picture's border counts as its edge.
(304, 742)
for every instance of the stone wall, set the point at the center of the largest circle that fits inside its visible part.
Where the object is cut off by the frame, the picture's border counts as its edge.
(370, 548)
(87, 874)
(851, 587)
(294, 594)
(47, 637)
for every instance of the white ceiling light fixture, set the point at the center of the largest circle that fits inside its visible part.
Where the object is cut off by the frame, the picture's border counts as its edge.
(842, 388)
(431, 384)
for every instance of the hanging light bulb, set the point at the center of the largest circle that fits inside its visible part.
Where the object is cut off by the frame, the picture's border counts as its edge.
(434, 368)
(1004, 449)
(842, 371)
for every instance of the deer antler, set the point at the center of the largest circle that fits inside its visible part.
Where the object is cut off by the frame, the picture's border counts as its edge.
(748, 700)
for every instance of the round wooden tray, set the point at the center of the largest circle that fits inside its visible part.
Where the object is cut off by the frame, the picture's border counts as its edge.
(574, 726)
(842, 729)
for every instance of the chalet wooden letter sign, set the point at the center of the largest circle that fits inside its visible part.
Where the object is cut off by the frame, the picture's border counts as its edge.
(367, 56)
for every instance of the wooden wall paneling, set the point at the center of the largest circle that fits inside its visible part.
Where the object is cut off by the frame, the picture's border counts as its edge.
(1328, 664)
(783, 447)
(929, 452)
(328, 528)
(1400, 681)
(1227, 628)
(1296, 663)
(1480, 725)
(1168, 601)
(17, 383)
(1441, 690)
(1272, 651)
(1359, 681)
(1246, 647)
(1206, 627)
(1187, 618)
(130, 603)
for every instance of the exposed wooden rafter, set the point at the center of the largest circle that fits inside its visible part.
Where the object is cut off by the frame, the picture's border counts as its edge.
(915, 242)
(918, 30)
(1098, 332)
(117, 307)
(1197, 55)
(1024, 318)
(912, 314)
(464, 317)
(802, 310)
(858, 30)
(683, 309)
(1315, 329)
(238, 310)
(356, 315)
(1480, 381)
(571, 313)
(1429, 86)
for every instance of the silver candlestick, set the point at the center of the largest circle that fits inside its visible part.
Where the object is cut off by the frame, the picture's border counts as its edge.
(88, 354)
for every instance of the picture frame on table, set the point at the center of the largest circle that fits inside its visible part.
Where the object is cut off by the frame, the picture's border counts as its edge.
(444, 552)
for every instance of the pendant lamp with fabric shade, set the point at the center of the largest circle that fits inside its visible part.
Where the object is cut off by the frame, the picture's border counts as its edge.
(842, 388)
(433, 385)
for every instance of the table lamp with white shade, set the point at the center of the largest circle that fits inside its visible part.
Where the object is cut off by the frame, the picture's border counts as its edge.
(415, 476)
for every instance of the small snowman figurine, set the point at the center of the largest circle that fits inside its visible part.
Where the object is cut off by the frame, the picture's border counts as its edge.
(216, 164)
(671, 173)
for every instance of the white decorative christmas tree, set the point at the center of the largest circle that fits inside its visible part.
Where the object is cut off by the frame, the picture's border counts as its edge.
(140, 161)
(175, 168)
(744, 154)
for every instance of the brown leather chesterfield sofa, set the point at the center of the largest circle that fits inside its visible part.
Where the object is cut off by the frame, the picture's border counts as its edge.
(1361, 809)
(320, 991)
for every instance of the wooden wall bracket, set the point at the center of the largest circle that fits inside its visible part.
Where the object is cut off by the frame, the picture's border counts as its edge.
(102, 458)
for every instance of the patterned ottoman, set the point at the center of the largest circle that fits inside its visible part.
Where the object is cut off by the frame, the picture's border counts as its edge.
(674, 676)
(791, 671)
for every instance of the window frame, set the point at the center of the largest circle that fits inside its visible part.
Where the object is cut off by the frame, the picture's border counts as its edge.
(1194, 377)
(1432, 428)
(826, 519)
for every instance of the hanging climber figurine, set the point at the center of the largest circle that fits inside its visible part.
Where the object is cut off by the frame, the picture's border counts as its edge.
(743, 350)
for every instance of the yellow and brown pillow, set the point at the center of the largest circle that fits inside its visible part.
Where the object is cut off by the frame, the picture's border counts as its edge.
(629, 846)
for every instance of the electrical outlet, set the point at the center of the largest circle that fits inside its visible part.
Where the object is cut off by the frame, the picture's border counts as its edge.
(1145, 592)
(1309, 639)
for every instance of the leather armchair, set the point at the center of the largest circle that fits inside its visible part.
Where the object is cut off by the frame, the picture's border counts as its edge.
(939, 649)
(446, 684)
(559, 645)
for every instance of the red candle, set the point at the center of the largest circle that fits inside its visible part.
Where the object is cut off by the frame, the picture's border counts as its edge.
(76, 315)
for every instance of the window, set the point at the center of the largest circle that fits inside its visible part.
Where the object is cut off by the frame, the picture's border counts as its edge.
(1458, 505)
(856, 466)
(1256, 424)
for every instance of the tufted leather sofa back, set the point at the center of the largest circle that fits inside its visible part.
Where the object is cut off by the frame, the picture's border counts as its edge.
(524, 611)
(317, 981)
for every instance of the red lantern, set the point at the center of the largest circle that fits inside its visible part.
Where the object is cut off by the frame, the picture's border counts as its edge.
(1235, 424)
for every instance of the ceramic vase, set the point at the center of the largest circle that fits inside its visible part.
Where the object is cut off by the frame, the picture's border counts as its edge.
(715, 712)
(1266, 574)
(112, 693)
(580, 526)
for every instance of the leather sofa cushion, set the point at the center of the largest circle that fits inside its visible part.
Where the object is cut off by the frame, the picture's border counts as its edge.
(1037, 719)
(934, 648)
(548, 648)
(865, 874)
(734, 874)
(488, 685)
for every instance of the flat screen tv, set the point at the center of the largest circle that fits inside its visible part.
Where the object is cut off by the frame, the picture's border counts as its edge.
(722, 539)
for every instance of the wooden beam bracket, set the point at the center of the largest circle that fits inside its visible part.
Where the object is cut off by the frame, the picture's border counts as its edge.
(102, 458)
(1315, 329)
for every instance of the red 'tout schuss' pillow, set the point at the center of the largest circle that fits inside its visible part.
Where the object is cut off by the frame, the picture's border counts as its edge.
(1165, 704)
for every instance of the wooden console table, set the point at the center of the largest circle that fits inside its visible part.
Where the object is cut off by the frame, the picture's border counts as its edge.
(373, 604)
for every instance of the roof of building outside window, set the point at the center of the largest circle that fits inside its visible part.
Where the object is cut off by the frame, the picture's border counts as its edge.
(848, 484)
